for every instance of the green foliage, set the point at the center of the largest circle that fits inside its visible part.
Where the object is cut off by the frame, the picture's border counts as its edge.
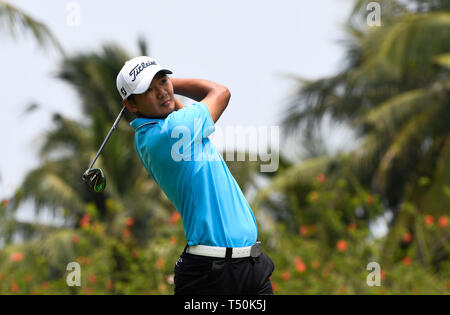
(328, 248)
(110, 262)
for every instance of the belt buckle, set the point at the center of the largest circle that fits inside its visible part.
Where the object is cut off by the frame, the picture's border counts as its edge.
(256, 249)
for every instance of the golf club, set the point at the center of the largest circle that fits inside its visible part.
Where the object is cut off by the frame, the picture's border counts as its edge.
(95, 178)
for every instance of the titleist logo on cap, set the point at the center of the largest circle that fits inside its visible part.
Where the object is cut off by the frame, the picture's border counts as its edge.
(139, 67)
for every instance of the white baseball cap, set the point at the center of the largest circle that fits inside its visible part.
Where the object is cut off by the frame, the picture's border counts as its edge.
(137, 74)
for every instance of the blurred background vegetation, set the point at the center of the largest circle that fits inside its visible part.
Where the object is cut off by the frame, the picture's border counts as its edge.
(317, 217)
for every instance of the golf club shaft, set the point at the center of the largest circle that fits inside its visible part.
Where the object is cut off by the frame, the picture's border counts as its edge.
(107, 138)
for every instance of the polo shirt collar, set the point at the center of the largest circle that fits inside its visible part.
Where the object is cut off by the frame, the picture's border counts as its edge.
(139, 122)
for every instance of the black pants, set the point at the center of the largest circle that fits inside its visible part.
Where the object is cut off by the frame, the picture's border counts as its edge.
(200, 275)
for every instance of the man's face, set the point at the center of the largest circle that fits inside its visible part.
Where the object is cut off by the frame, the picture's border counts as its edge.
(158, 101)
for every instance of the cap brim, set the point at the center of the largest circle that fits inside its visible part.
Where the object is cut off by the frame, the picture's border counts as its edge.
(147, 80)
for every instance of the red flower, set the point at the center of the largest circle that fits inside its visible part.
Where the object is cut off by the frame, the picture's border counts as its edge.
(84, 222)
(341, 245)
(16, 257)
(429, 220)
(134, 254)
(406, 261)
(174, 218)
(80, 260)
(407, 237)
(126, 233)
(46, 285)
(286, 275)
(75, 239)
(321, 178)
(14, 287)
(173, 241)
(129, 222)
(160, 263)
(28, 278)
(5, 202)
(370, 199)
(274, 286)
(92, 279)
(83, 260)
(443, 221)
(110, 285)
(303, 230)
(351, 226)
(316, 264)
(300, 266)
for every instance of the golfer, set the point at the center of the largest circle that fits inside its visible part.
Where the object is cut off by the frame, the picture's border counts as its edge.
(222, 255)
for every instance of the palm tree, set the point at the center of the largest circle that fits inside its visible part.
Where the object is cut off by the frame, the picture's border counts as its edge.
(393, 91)
(14, 20)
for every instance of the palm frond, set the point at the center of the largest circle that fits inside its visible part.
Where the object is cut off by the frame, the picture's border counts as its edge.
(406, 144)
(313, 100)
(93, 75)
(67, 135)
(143, 46)
(13, 20)
(390, 114)
(435, 198)
(406, 49)
(48, 187)
(443, 60)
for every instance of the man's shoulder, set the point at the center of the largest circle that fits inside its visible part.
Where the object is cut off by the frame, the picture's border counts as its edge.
(147, 132)
(139, 123)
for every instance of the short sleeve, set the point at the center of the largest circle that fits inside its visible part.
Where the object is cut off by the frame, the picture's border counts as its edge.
(195, 118)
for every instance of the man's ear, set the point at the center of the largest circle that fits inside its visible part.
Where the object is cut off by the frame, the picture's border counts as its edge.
(131, 106)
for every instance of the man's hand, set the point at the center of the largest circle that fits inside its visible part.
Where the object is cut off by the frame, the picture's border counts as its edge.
(214, 95)
(178, 104)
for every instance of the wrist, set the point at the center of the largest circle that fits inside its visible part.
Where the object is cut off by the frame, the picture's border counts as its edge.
(195, 89)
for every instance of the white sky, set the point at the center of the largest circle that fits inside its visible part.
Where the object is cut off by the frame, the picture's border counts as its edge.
(243, 44)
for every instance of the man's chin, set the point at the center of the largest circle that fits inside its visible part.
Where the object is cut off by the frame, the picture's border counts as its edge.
(170, 108)
(167, 111)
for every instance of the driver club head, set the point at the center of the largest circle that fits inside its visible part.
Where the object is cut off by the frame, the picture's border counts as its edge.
(95, 179)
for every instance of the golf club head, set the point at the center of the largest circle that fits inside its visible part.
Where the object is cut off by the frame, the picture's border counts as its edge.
(95, 179)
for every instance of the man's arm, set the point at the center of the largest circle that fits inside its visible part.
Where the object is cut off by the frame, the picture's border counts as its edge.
(215, 96)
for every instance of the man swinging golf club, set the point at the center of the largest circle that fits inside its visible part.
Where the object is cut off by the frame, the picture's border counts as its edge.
(222, 255)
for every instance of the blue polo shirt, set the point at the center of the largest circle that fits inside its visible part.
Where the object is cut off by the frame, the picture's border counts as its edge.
(178, 154)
